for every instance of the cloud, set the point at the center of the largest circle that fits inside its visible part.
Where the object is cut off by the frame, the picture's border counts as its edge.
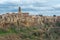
(37, 5)
(56, 7)
(8, 7)
(33, 1)
(46, 7)
(8, 1)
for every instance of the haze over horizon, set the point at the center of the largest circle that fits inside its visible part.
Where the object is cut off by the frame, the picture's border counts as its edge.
(44, 7)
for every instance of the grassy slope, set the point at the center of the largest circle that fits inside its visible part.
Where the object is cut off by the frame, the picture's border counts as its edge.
(32, 33)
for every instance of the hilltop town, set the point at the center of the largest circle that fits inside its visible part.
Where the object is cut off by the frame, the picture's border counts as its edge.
(22, 26)
(25, 19)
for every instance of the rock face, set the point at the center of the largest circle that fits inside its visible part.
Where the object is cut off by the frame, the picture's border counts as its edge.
(26, 19)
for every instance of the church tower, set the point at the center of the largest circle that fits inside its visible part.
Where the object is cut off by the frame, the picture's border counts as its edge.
(19, 10)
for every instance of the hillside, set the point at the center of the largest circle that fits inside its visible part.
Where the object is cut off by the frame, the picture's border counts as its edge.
(22, 26)
(38, 32)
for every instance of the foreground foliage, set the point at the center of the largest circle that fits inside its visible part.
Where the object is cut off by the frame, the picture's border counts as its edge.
(31, 33)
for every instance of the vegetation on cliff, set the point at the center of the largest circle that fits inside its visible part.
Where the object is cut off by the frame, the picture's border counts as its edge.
(43, 32)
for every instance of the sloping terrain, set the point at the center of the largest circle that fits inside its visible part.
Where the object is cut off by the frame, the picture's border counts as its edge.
(38, 32)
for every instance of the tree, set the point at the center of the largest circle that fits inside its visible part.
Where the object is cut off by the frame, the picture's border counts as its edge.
(54, 15)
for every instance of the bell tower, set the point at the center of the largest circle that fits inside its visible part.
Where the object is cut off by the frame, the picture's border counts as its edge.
(19, 10)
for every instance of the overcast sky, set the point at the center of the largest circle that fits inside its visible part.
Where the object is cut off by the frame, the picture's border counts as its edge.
(44, 7)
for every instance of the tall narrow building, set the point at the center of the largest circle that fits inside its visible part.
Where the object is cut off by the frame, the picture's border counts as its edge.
(19, 10)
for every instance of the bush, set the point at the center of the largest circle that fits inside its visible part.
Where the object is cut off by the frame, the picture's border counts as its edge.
(58, 24)
(2, 31)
